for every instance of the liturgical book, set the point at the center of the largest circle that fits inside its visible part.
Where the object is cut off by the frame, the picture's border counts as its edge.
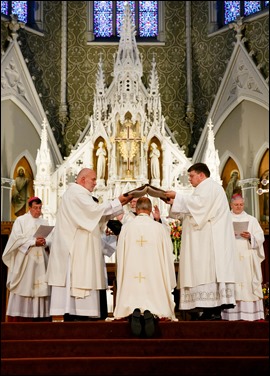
(147, 189)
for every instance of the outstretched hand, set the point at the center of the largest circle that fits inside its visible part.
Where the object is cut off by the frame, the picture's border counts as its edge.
(170, 194)
(166, 200)
(125, 199)
(156, 213)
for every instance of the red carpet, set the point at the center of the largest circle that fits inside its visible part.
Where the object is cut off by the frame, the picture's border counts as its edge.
(108, 348)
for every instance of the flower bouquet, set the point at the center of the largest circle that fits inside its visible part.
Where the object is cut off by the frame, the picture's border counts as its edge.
(265, 289)
(176, 232)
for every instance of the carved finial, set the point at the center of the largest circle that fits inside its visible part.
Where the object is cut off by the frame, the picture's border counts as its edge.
(63, 116)
(238, 26)
(190, 117)
(210, 125)
(14, 25)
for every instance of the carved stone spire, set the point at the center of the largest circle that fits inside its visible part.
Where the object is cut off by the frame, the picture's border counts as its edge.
(100, 92)
(100, 81)
(128, 56)
(154, 103)
(211, 157)
(43, 159)
(153, 80)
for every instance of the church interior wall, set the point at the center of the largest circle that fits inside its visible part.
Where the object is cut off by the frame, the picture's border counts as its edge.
(210, 54)
(243, 132)
(19, 137)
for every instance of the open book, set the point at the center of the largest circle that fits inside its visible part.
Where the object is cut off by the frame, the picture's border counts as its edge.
(147, 189)
(239, 227)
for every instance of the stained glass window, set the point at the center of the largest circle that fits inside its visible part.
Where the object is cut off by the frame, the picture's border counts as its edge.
(148, 18)
(15, 7)
(251, 7)
(108, 16)
(103, 20)
(232, 10)
(4, 7)
(120, 8)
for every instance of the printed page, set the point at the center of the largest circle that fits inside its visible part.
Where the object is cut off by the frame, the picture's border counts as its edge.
(239, 227)
(43, 231)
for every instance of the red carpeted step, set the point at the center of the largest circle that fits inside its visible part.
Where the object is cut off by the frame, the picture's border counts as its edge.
(133, 347)
(196, 365)
(114, 329)
(108, 348)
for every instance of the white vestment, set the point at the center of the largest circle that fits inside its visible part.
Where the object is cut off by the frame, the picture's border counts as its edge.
(248, 258)
(76, 265)
(27, 264)
(145, 269)
(206, 264)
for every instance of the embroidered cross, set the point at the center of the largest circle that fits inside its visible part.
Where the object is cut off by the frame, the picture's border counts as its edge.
(140, 277)
(38, 254)
(241, 284)
(37, 284)
(141, 241)
(241, 257)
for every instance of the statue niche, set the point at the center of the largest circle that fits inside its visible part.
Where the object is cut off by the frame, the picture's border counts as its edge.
(128, 149)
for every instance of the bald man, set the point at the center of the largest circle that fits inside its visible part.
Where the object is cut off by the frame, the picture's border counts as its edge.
(76, 269)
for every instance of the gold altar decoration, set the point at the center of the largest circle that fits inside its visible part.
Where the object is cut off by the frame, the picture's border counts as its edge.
(128, 145)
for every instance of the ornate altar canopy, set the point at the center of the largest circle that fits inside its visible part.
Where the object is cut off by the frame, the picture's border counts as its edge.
(126, 130)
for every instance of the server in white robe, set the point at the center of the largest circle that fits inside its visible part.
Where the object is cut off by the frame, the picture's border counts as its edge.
(206, 265)
(145, 266)
(76, 265)
(248, 258)
(26, 258)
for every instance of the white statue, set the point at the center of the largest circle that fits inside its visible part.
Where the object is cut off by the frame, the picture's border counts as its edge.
(101, 161)
(154, 156)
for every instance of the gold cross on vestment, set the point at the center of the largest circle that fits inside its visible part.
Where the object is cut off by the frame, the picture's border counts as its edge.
(141, 241)
(241, 257)
(37, 284)
(241, 284)
(140, 277)
(38, 255)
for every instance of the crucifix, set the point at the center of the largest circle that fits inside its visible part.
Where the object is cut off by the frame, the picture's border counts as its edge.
(128, 145)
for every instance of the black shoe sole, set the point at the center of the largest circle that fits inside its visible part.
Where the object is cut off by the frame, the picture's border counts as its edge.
(210, 318)
(136, 326)
(149, 324)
